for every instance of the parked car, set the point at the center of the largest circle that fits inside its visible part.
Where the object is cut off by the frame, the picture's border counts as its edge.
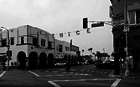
(105, 65)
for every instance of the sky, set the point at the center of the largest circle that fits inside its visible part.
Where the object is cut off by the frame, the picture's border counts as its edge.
(58, 16)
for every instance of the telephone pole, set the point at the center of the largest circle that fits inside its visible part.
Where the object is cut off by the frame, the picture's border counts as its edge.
(126, 30)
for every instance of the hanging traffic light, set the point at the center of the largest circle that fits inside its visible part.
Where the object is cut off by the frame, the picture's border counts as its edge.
(85, 23)
(97, 24)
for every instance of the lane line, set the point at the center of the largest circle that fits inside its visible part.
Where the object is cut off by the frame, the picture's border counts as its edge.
(68, 75)
(81, 74)
(115, 83)
(82, 80)
(54, 75)
(54, 84)
(34, 73)
(2, 74)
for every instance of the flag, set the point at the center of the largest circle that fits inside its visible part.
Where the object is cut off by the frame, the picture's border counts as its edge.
(69, 34)
(71, 45)
(61, 34)
(77, 32)
(88, 30)
(90, 49)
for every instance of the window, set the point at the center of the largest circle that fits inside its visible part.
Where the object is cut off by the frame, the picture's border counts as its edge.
(4, 42)
(22, 40)
(12, 40)
(35, 41)
(49, 44)
(60, 48)
(43, 42)
(132, 17)
(67, 48)
(138, 16)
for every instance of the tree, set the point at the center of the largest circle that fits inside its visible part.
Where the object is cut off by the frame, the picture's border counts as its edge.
(98, 55)
(90, 49)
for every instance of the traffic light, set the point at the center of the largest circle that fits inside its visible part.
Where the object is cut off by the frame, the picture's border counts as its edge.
(97, 24)
(85, 23)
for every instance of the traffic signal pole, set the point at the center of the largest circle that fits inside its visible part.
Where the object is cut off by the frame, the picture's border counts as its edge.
(126, 30)
(8, 48)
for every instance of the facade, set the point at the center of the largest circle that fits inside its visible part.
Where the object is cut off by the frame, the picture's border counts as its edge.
(30, 47)
(65, 50)
(133, 39)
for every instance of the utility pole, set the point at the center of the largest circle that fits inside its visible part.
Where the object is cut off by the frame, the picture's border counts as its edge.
(126, 30)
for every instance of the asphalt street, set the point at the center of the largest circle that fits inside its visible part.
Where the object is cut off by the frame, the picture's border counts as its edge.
(79, 76)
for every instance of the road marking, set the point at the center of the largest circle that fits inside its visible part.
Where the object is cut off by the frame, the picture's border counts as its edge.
(54, 75)
(76, 74)
(115, 83)
(54, 84)
(2, 74)
(34, 73)
(81, 74)
(81, 80)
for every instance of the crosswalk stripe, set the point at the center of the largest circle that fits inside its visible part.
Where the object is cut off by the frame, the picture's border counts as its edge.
(2, 74)
(96, 79)
(115, 83)
(54, 84)
(34, 73)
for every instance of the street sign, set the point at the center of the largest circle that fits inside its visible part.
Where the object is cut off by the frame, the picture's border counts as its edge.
(98, 24)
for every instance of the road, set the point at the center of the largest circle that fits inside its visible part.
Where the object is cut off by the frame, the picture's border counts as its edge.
(80, 76)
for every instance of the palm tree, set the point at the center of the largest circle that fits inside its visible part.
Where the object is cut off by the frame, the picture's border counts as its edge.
(83, 51)
(98, 55)
(90, 49)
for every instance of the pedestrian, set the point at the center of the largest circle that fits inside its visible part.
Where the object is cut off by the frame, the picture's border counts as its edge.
(68, 65)
(131, 65)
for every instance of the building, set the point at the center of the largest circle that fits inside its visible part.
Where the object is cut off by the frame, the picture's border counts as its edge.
(65, 50)
(119, 37)
(31, 47)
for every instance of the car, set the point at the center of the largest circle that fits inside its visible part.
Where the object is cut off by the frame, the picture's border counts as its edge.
(105, 65)
(60, 64)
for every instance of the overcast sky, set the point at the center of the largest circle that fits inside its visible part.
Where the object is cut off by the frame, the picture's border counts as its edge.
(56, 16)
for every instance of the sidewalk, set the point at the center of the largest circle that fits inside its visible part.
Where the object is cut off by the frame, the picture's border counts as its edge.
(122, 76)
(132, 80)
(106, 72)
(134, 75)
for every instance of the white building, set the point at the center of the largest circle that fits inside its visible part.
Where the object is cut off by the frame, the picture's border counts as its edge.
(65, 50)
(32, 47)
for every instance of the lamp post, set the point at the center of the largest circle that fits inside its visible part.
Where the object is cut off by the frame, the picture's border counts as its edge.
(8, 43)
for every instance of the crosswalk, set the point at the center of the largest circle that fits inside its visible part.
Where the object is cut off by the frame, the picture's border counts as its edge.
(91, 82)
(58, 73)
(58, 82)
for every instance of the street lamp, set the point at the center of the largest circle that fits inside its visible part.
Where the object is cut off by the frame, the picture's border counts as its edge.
(8, 47)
